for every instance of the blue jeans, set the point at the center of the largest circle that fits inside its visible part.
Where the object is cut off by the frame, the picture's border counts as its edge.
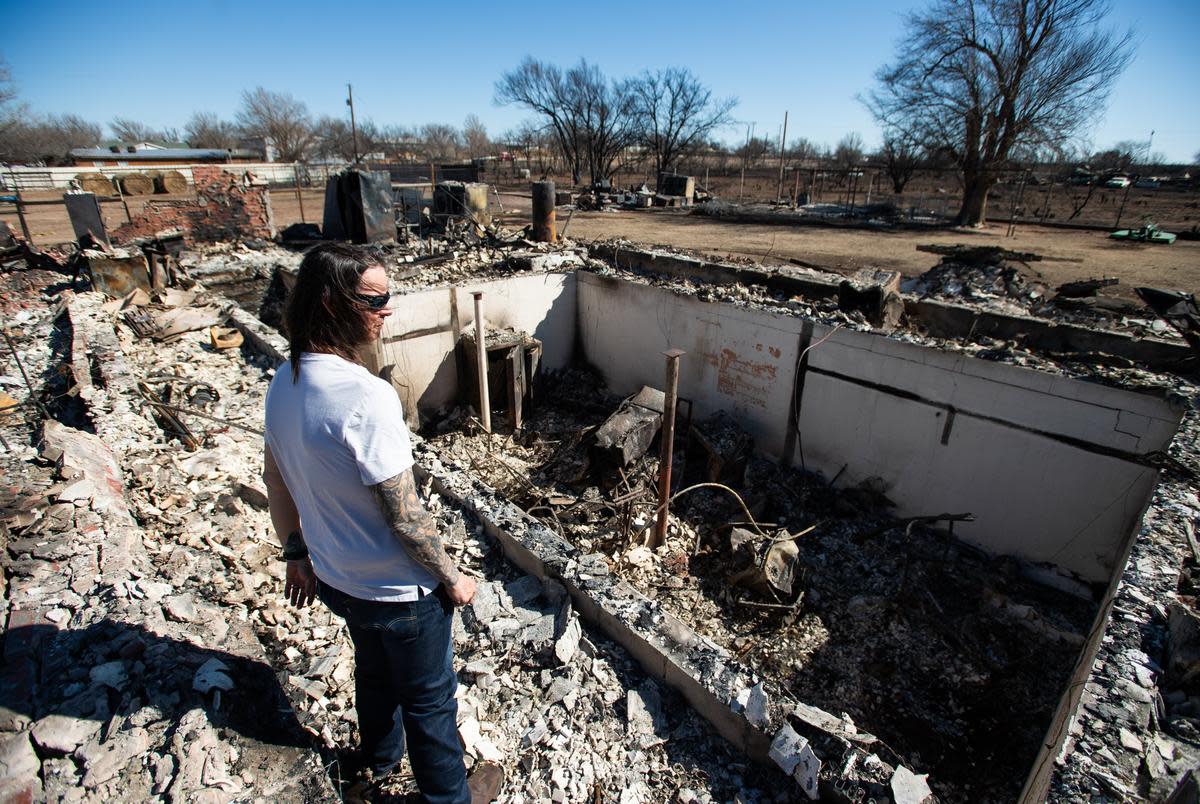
(402, 659)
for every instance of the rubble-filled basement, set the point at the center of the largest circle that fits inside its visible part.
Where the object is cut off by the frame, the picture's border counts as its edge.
(742, 534)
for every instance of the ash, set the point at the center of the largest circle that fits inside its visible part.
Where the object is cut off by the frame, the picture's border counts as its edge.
(954, 659)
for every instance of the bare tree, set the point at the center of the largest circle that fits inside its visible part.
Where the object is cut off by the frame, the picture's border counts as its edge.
(978, 77)
(127, 129)
(802, 150)
(675, 114)
(531, 141)
(474, 134)
(441, 142)
(606, 110)
(49, 140)
(590, 116)
(332, 138)
(397, 142)
(753, 150)
(900, 156)
(279, 117)
(848, 153)
(541, 88)
(206, 130)
(9, 110)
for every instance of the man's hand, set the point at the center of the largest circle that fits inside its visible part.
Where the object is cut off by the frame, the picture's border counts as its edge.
(463, 590)
(301, 586)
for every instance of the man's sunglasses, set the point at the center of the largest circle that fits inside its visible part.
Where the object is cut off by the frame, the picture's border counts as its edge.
(375, 302)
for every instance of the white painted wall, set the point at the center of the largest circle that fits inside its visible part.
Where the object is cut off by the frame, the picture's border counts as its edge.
(1015, 455)
(424, 367)
(737, 359)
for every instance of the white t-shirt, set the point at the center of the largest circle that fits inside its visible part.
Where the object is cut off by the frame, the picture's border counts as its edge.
(333, 433)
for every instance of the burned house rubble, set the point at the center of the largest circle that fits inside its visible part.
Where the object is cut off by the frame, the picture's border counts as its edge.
(927, 539)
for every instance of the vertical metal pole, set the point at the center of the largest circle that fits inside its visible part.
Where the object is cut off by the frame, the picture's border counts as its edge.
(668, 444)
(782, 148)
(1120, 211)
(116, 180)
(745, 156)
(485, 405)
(353, 128)
(796, 190)
(299, 197)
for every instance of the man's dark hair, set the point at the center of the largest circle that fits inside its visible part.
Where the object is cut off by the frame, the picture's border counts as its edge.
(322, 313)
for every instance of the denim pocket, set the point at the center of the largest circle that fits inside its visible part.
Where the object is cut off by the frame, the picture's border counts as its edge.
(403, 622)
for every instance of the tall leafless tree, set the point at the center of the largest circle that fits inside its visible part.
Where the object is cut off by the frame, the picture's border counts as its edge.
(591, 116)
(980, 77)
(442, 142)
(675, 114)
(279, 117)
(900, 157)
(802, 150)
(207, 130)
(606, 110)
(542, 88)
(36, 139)
(8, 94)
(848, 153)
(475, 137)
(753, 150)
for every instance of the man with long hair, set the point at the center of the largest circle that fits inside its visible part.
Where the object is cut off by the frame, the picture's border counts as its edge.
(339, 462)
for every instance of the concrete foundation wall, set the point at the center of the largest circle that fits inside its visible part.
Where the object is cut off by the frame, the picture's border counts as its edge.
(1050, 466)
(418, 339)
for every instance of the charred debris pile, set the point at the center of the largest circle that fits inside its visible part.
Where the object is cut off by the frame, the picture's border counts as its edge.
(954, 659)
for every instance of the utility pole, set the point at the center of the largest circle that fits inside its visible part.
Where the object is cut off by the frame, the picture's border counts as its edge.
(353, 128)
(782, 144)
(745, 157)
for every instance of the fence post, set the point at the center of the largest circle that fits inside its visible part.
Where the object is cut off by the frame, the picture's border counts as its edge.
(20, 208)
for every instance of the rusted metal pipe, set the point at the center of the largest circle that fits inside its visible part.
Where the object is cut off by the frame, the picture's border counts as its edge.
(668, 444)
(485, 405)
(543, 211)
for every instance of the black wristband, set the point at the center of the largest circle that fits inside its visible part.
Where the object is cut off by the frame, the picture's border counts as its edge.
(295, 548)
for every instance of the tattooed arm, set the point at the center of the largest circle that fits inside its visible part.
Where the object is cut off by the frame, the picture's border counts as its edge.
(419, 534)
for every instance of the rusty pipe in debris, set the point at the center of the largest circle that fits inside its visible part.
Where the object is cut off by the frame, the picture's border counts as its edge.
(668, 444)
(485, 405)
(543, 211)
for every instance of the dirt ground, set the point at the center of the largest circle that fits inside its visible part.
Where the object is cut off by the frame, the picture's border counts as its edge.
(1069, 254)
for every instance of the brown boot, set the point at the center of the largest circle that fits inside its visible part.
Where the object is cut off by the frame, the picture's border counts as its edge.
(484, 782)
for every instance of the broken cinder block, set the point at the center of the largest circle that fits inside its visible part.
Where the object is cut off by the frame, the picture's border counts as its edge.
(795, 757)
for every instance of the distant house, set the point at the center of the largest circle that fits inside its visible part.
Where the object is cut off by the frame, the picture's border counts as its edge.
(138, 153)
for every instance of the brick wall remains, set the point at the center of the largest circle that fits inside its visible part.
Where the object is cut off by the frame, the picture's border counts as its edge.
(225, 208)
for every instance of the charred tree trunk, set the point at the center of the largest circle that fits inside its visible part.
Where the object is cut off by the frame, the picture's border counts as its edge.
(975, 194)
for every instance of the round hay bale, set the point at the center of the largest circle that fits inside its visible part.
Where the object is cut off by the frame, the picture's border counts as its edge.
(94, 183)
(137, 184)
(170, 181)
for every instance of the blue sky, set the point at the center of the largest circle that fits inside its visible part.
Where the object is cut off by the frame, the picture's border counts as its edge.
(413, 63)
